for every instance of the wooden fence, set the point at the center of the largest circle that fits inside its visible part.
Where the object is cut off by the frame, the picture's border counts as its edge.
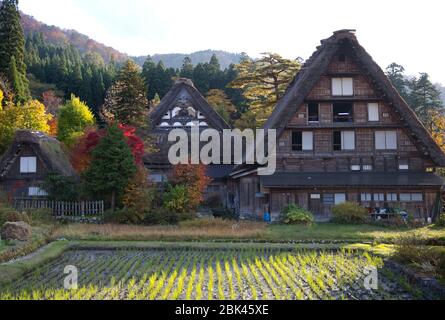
(62, 208)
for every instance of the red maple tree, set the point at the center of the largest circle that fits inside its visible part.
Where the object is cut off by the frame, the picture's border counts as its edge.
(82, 151)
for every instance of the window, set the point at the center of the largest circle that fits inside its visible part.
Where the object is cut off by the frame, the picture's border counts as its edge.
(343, 112)
(391, 197)
(344, 140)
(366, 197)
(297, 141)
(36, 192)
(28, 165)
(411, 197)
(313, 113)
(379, 197)
(342, 86)
(386, 140)
(340, 198)
(315, 196)
(403, 165)
(373, 112)
(166, 116)
(302, 141)
(367, 167)
(328, 199)
(355, 167)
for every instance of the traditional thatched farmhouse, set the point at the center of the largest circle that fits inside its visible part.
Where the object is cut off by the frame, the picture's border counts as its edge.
(28, 160)
(344, 134)
(184, 107)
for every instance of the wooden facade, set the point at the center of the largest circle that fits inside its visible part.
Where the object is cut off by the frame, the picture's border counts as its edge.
(27, 162)
(341, 117)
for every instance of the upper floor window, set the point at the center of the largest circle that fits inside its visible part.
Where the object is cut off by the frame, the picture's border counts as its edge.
(386, 140)
(373, 112)
(28, 165)
(302, 141)
(342, 86)
(344, 140)
(313, 112)
(343, 112)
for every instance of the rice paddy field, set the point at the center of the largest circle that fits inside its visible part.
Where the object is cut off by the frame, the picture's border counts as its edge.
(208, 274)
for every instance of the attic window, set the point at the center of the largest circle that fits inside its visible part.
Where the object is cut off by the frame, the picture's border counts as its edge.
(342, 86)
(343, 112)
(28, 165)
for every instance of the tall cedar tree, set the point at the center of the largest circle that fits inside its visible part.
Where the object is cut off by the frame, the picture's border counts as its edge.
(263, 82)
(12, 47)
(424, 97)
(112, 166)
(126, 100)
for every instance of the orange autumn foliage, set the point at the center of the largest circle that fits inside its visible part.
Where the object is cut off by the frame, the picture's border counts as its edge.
(194, 178)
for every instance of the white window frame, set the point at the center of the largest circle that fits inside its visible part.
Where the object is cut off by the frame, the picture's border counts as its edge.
(342, 87)
(37, 192)
(355, 167)
(348, 140)
(339, 198)
(367, 167)
(373, 112)
(391, 197)
(366, 197)
(308, 140)
(379, 197)
(28, 164)
(386, 140)
(315, 196)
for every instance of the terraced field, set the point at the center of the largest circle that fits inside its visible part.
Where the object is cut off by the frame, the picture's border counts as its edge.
(206, 274)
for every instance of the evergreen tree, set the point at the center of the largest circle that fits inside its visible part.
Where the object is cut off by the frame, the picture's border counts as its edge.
(263, 83)
(187, 69)
(222, 104)
(395, 73)
(12, 47)
(424, 96)
(112, 166)
(126, 100)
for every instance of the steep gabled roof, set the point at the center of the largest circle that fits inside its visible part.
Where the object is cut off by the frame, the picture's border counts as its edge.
(212, 117)
(47, 148)
(317, 65)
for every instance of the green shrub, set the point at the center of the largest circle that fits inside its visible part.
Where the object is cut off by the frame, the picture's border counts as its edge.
(176, 199)
(441, 220)
(165, 216)
(349, 213)
(294, 214)
(225, 214)
(40, 216)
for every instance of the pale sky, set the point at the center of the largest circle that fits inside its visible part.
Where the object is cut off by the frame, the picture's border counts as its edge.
(409, 32)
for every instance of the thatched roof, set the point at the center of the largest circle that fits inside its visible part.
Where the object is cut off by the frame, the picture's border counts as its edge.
(199, 102)
(317, 65)
(47, 148)
(160, 136)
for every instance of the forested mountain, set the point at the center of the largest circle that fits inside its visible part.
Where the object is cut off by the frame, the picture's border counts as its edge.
(58, 36)
(84, 44)
(175, 60)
